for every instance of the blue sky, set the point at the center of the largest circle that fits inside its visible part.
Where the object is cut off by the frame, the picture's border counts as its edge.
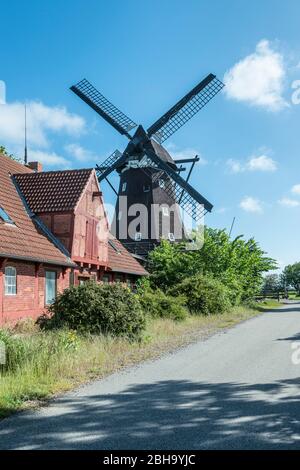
(144, 56)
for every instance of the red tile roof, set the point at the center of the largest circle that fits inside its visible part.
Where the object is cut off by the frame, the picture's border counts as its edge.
(120, 260)
(53, 191)
(24, 240)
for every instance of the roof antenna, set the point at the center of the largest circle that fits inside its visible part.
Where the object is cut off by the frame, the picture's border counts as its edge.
(231, 226)
(25, 150)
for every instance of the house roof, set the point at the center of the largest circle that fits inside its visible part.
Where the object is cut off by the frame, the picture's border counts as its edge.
(24, 239)
(120, 260)
(53, 191)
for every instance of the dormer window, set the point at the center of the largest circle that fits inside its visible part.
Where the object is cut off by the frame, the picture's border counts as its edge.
(4, 217)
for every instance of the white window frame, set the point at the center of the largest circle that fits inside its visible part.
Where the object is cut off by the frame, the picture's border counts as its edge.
(171, 237)
(138, 236)
(55, 279)
(10, 280)
(165, 211)
(124, 187)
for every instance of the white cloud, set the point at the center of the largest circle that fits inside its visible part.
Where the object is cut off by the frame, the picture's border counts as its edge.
(254, 163)
(235, 166)
(258, 79)
(48, 159)
(261, 163)
(296, 189)
(41, 120)
(287, 202)
(251, 204)
(2, 92)
(188, 152)
(81, 154)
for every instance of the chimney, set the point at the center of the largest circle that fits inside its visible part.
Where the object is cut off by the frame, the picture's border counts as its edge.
(35, 166)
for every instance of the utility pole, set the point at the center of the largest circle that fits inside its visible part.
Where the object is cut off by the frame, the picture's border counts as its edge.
(231, 226)
(25, 149)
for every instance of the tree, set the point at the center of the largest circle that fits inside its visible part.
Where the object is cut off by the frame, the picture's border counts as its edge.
(291, 275)
(3, 151)
(239, 264)
(271, 283)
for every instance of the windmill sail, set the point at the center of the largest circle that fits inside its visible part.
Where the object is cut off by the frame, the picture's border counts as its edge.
(186, 108)
(88, 93)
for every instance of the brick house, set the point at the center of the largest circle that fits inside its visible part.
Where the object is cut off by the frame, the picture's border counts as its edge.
(53, 234)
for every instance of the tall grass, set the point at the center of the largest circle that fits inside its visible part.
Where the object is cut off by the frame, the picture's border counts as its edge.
(41, 364)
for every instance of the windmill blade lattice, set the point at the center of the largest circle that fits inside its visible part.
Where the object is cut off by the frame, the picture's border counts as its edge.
(88, 93)
(186, 108)
(109, 165)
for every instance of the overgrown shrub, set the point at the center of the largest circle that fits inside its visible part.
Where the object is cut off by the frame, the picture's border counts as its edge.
(205, 295)
(159, 305)
(98, 308)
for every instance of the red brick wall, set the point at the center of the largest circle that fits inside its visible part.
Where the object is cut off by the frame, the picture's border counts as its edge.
(30, 298)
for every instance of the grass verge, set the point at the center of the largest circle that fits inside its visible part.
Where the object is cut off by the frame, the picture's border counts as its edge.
(55, 364)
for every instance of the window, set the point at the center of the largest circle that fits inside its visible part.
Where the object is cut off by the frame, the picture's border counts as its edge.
(118, 278)
(124, 187)
(138, 236)
(161, 183)
(146, 188)
(106, 278)
(171, 237)
(5, 217)
(165, 211)
(10, 281)
(50, 287)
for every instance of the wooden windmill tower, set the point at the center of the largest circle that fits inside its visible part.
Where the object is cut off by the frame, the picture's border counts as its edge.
(149, 177)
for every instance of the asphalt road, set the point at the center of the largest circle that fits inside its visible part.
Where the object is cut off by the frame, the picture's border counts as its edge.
(236, 390)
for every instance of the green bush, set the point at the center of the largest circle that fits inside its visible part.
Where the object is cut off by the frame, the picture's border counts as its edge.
(159, 305)
(98, 308)
(204, 295)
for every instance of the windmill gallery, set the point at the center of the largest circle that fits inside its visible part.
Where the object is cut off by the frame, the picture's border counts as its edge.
(49, 221)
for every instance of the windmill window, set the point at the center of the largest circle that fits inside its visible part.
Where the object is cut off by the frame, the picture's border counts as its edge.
(124, 187)
(10, 280)
(171, 237)
(5, 217)
(138, 236)
(161, 183)
(146, 188)
(165, 211)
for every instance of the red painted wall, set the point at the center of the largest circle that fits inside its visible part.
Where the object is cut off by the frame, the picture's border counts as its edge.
(30, 298)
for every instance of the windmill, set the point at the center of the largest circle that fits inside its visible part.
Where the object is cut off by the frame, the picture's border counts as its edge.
(149, 176)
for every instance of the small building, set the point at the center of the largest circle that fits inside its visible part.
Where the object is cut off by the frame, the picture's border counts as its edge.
(53, 234)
